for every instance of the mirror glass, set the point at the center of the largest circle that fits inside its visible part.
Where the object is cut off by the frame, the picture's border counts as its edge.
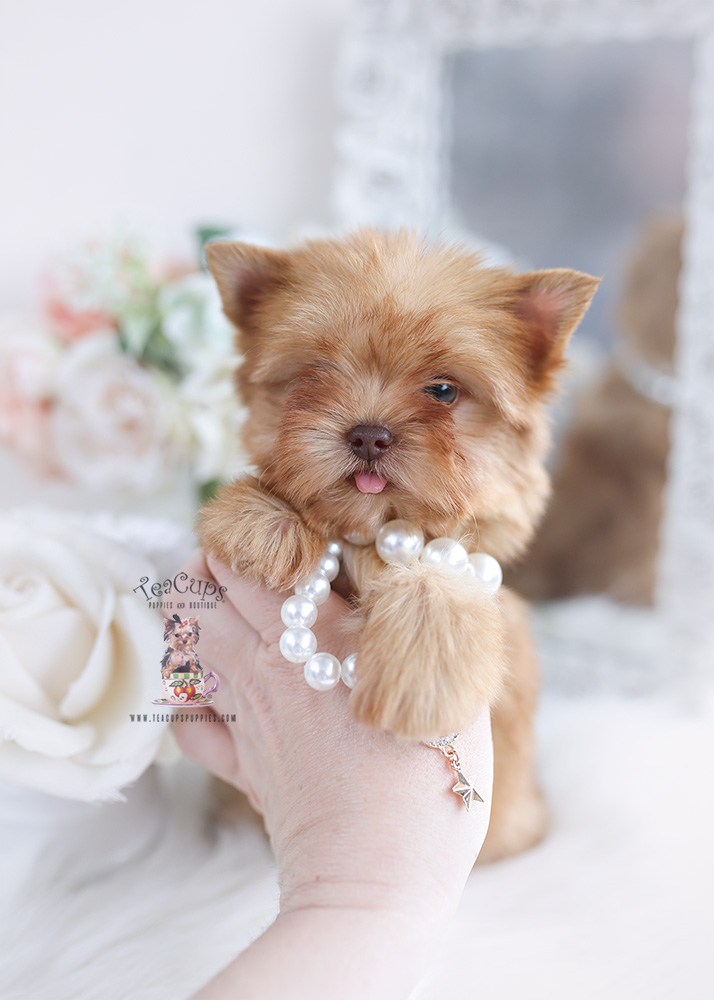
(574, 156)
(560, 154)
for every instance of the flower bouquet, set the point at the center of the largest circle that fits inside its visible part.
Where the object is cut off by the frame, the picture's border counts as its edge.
(128, 380)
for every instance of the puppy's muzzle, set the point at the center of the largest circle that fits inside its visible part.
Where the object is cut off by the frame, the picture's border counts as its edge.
(370, 441)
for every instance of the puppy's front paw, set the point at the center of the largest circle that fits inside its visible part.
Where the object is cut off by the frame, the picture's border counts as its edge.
(431, 653)
(259, 536)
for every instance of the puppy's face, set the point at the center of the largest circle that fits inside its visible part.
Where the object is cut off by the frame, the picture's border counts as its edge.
(388, 379)
(182, 635)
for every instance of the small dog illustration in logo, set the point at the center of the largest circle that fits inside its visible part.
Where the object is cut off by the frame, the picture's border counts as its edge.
(182, 676)
(181, 637)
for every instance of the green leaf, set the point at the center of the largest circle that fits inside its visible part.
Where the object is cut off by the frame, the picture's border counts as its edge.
(208, 232)
(207, 491)
(159, 353)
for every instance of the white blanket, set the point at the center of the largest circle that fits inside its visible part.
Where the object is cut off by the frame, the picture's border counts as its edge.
(616, 903)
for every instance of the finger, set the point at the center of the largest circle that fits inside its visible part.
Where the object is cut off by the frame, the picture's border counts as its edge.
(210, 744)
(228, 646)
(198, 567)
(260, 607)
(224, 697)
(195, 567)
(227, 641)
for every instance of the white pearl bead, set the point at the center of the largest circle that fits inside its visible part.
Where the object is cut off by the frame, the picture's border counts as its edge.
(349, 666)
(329, 566)
(299, 610)
(322, 671)
(335, 548)
(487, 571)
(297, 644)
(359, 538)
(316, 587)
(399, 542)
(445, 554)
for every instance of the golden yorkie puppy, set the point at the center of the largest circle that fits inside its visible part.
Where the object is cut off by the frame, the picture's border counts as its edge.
(389, 378)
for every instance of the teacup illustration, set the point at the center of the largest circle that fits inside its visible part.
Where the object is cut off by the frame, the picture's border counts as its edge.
(182, 678)
(182, 688)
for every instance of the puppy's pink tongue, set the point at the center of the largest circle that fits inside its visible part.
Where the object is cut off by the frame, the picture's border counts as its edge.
(369, 482)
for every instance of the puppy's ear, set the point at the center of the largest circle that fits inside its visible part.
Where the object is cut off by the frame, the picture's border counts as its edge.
(548, 306)
(245, 275)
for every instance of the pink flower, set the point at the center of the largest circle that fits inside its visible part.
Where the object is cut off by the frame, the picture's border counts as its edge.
(110, 420)
(28, 365)
(73, 324)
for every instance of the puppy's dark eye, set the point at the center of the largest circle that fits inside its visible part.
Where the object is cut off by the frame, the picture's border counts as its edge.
(444, 392)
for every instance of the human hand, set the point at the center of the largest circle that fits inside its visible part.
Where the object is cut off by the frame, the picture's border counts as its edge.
(358, 821)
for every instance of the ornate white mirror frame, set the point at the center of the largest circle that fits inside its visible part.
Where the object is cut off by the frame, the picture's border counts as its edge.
(393, 170)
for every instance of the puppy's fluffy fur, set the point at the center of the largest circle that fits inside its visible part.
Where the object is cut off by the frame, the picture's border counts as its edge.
(359, 331)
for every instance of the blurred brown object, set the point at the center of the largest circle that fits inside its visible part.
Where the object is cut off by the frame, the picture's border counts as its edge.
(600, 533)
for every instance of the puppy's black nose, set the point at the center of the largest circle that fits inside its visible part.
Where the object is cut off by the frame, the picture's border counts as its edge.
(370, 441)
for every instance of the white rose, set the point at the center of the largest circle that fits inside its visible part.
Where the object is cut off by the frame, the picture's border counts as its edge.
(111, 417)
(213, 417)
(79, 652)
(194, 324)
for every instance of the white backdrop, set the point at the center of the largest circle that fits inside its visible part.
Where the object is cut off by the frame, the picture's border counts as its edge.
(158, 115)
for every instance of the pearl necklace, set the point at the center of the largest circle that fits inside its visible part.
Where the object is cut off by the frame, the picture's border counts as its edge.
(398, 543)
